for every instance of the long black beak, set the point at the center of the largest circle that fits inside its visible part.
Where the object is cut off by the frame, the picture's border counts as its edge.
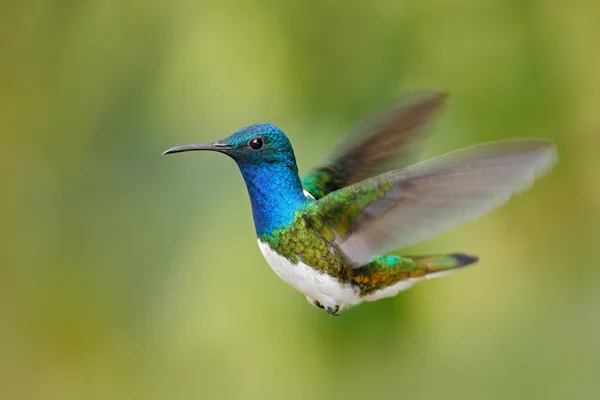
(216, 146)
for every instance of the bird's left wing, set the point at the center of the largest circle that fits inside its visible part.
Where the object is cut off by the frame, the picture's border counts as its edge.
(387, 140)
(404, 207)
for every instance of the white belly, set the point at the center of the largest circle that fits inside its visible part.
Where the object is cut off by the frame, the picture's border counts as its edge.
(316, 285)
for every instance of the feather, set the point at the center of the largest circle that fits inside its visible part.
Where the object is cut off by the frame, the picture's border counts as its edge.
(404, 207)
(386, 141)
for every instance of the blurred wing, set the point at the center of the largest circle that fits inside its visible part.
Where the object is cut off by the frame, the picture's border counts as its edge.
(402, 208)
(386, 141)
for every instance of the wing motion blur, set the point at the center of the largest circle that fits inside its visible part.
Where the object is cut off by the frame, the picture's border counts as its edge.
(404, 207)
(386, 141)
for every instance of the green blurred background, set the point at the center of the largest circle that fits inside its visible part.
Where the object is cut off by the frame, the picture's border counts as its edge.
(126, 275)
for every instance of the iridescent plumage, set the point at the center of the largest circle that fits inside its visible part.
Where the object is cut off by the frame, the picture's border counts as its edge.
(366, 200)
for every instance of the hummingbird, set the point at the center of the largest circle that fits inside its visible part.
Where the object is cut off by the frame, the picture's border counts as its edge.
(329, 235)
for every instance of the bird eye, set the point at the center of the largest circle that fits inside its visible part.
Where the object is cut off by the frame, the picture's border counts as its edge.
(256, 143)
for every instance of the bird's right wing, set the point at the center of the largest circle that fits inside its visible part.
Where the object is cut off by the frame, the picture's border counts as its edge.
(401, 208)
(386, 141)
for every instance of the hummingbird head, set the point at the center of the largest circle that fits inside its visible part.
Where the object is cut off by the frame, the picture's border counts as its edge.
(266, 160)
(256, 145)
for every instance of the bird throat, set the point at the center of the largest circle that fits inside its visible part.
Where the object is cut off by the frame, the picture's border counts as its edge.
(276, 194)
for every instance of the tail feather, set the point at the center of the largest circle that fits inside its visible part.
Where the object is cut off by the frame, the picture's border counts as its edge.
(385, 276)
(435, 266)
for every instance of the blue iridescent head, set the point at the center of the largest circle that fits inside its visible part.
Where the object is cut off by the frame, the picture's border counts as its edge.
(266, 160)
(260, 144)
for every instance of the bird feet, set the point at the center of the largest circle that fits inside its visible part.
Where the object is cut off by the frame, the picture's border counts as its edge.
(314, 302)
(336, 310)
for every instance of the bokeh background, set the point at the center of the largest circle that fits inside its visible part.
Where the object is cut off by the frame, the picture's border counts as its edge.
(126, 275)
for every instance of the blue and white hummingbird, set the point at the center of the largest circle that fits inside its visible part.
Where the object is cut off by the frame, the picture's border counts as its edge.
(328, 235)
